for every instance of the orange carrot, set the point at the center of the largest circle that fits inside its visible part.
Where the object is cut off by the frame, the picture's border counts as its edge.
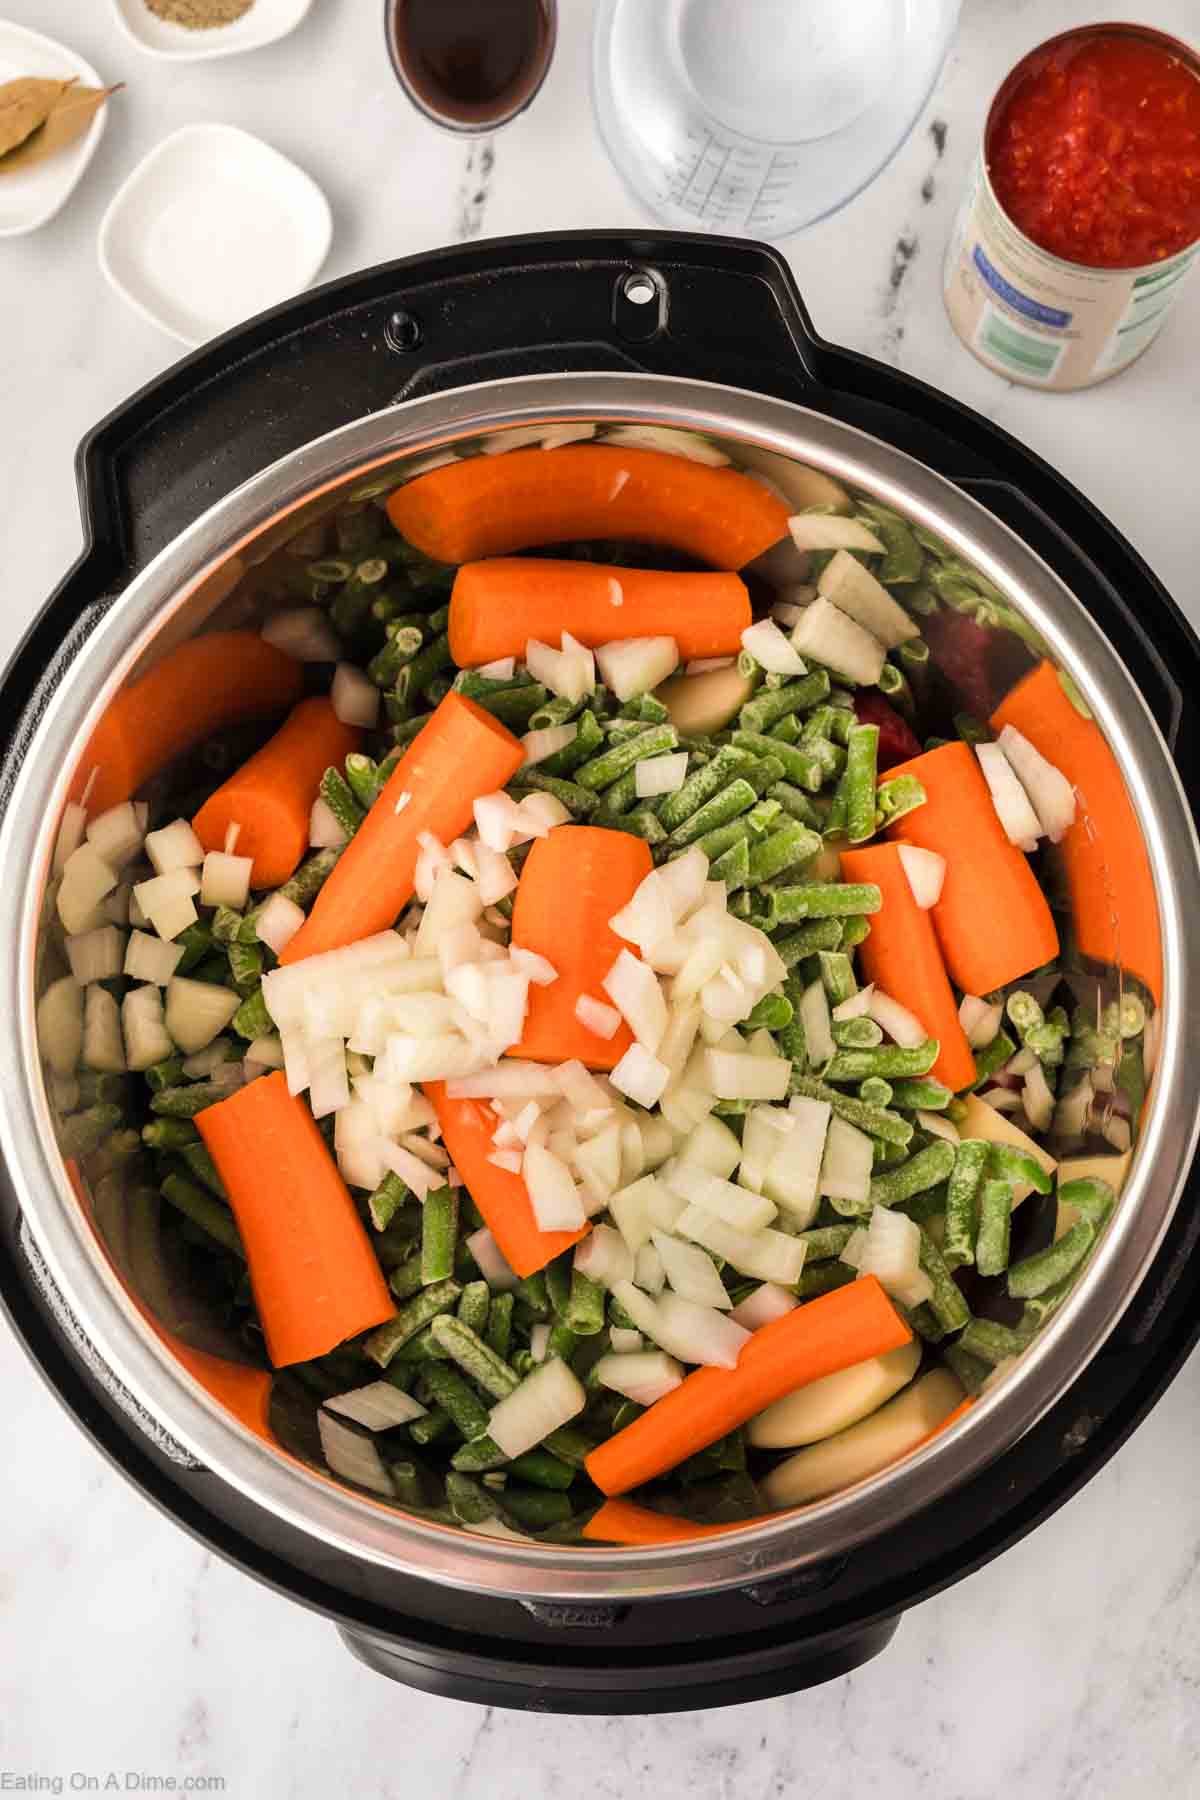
(462, 752)
(205, 684)
(830, 1333)
(500, 1195)
(315, 1278)
(992, 920)
(498, 605)
(901, 955)
(572, 884)
(1113, 908)
(623, 1522)
(271, 796)
(491, 505)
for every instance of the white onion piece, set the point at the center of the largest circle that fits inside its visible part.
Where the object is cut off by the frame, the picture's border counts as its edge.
(491, 1261)
(704, 665)
(267, 1052)
(144, 1028)
(766, 1303)
(495, 876)
(1037, 1098)
(538, 745)
(503, 669)
(565, 672)
(378, 1406)
(938, 1125)
(641, 1375)
(771, 649)
(903, 1027)
(354, 698)
(695, 1334)
(633, 666)
(96, 955)
(669, 439)
(634, 990)
(103, 1044)
(558, 435)
(747, 1077)
(70, 834)
(495, 819)
(640, 1076)
(225, 880)
(513, 1079)
(117, 834)
(353, 1455)
(1050, 793)
(624, 1341)
(1013, 809)
(856, 1006)
(714, 1148)
(827, 635)
(508, 1160)
(452, 900)
(537, 815)
(197, 1010)
(829, 531)
(660, 774)
(325, 830)
(60, 1024)
(87, 878)
(277, 922)
(891, 1252)
(926, 872)
(548, 1398)
(980, 1019)
(847, 1162)
(175, 846)
(766, 1255)
(165, 901)
(793, 1175)
(855, 591)
(691, 1273)
(115, 906)
(814, 1018)
(649, 1271)
(630, 1209)
(724, 1199)
(555, 1199)
(604, 1256)
(539, 1342)
(303, 632)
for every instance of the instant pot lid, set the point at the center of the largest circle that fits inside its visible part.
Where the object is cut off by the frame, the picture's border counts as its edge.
(186, 577)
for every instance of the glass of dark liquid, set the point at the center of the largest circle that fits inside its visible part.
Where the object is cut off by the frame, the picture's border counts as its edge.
(471, 65)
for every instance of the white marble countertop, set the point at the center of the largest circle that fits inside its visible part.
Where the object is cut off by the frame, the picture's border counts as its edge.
(1070, 1667)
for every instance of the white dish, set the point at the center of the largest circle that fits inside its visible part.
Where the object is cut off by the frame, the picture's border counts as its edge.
(265, 23)
(30, 197)
(212, 227)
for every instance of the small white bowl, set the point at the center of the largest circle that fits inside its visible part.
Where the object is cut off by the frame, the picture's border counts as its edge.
(265, 23)
(30, 197)
(211, 228)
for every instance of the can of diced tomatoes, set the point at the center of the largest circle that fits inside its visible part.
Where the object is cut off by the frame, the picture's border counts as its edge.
(1082, 217)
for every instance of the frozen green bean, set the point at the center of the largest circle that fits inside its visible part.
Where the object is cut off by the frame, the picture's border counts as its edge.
(252, 1019)
(701, 785)
(902, 794)
(470, 1352)
(387, 1200)
(737, 797)
(995, 1228)
(186, 1102)
(946, 1302)
(498, 1335)
(205, 1211)
(876, 1091)
(444, 1386)
(855, 931)
(992, 1343)
(800, 763)
(792, 843)
(823, 900)
(769, 706)
(439, 1234)
(962, 1202)
(993, 1056)
(924, 1170)
(584, 745)
(578, 800)
(1091, 1198)
(837, 977)
(405, 1278)
(1008, 1163)
(431, 1303)
(772, 1013)
(203, 1168)
(796, 803)
(733, 868)
(604, 769)
(892, 1127)
(888, 1060)
(860, 1033)
(807, 940)
(825, 1241)
(1046, 1268)
(861, 754)
(169, 1134)
(923, 1094)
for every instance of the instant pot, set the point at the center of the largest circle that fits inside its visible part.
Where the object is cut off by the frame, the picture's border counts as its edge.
(186, 490)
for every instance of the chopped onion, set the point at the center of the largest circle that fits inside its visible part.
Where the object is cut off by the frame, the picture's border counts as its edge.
(695, 1333)
(103, 1044)
(70, 834)
(87, 878)
(353, 697)
(277, 922)
(979, 1019)
(829, 531)
(266, 1051)
(96, 955)
(503, 669)
(938, 1125)
(641, 1076)
(631, 1211)
(724, 1199)
(491, 1262)
(566, 672)
(166, 902)
(847, 1162)
(903, 1027)
(144, 1028)
(508, 1160)
(633, 666)
(736, 1076)
(512, 1079)
(767, 1255)
(539, 1342)
(60, 1024)
(856, 592)
(926, 872)
(378, 1406)
(1023, 1061)
(303, 632)
(538, 745)
(604, 1256)
(856, 1006)
(433, 861)
(175, 846)
(225, 880)
(690, 1272)
(115, 906)
(1050, 793)
(714, 1147)
(1005, 1100)
(891, 1251)
(197, 1010)
(827, 635)
(514, 438)
(633, 988)
(660, 774)
(771, 650)
(641, 1375)
(555, 1199)
(558, 435)
(1037, 1098)
(814, 1020)
(793, 1175)
(766, 1303)
(353, 1455)
(1016, 815)
(538, 814)
(325, 830)
(117, 834)
(205, 1061)
(548, 1398)
(648, 1270)
(668, 438)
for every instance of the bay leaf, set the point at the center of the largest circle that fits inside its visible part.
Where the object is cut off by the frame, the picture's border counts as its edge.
(24, 105)
(68, 119)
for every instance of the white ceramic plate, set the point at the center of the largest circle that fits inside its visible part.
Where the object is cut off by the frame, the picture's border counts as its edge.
(29, 197)
(266, 21)
(211, 228)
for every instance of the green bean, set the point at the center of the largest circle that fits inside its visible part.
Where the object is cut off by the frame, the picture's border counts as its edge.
(533, 1291)
(515, 706)
(644, 823)
(203, 1210)
(405, 1278)
(807, 940)
(558, 710)
(470, 1352)
(470, 1503)
(823, 1278)
(584, 1311)
(439, 1233)
(876, 1091)
(971, 1371)
(788, 730)
(946, 1302)
(225, 925)
(792, 843)
(214, 970)
(168, 1073)
(962, 1202)
(860, 1033)
(473, 1306)
(767, 708)
(894, 683)
(647, 708)
(562, 1342)
(922, 1171)
(541, 1468)
(876, 1120)
(186, 1102)
(995, 1228)
(1024, 1012)
(1046, 1268)
(445, 1387)
(972, 731)
(1008, 1163)
(197, 941)
(802, 766)
(700, 786)
(762, 819)
(735, 798)
(169, 1134)
(1092, 1199)
(888, 1060)
(252, 1019)
(584, 745)
(387, 1200)
(924, 1321)
(498, 1335)
(837, 976)
(577, 800)
(620, 731)
(795, 803)
(923, 1094)
(861, 757)
(715, 843)
(536, 1507)
(604, 769)
(902, 794)
(991, 1057)
(245, 967)
(992, 1343)
(431, 1303)
(428, 662)
(825, 1241)
(772, 1013)
(890, 1156)
(855, 930)
(433, 1426)
(733, 868)
(824, 900)
(202, 1166)
(402, 643)
(362, 774)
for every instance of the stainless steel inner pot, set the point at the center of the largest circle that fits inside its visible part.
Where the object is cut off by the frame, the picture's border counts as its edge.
(206, 577)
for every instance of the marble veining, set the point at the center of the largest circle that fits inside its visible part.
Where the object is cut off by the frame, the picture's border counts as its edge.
(1069, 1669)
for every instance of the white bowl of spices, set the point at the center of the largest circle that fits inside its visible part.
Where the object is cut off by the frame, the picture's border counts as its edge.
(191, 30)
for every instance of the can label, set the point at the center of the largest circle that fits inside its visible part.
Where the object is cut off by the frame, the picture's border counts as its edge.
(1039, 320)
